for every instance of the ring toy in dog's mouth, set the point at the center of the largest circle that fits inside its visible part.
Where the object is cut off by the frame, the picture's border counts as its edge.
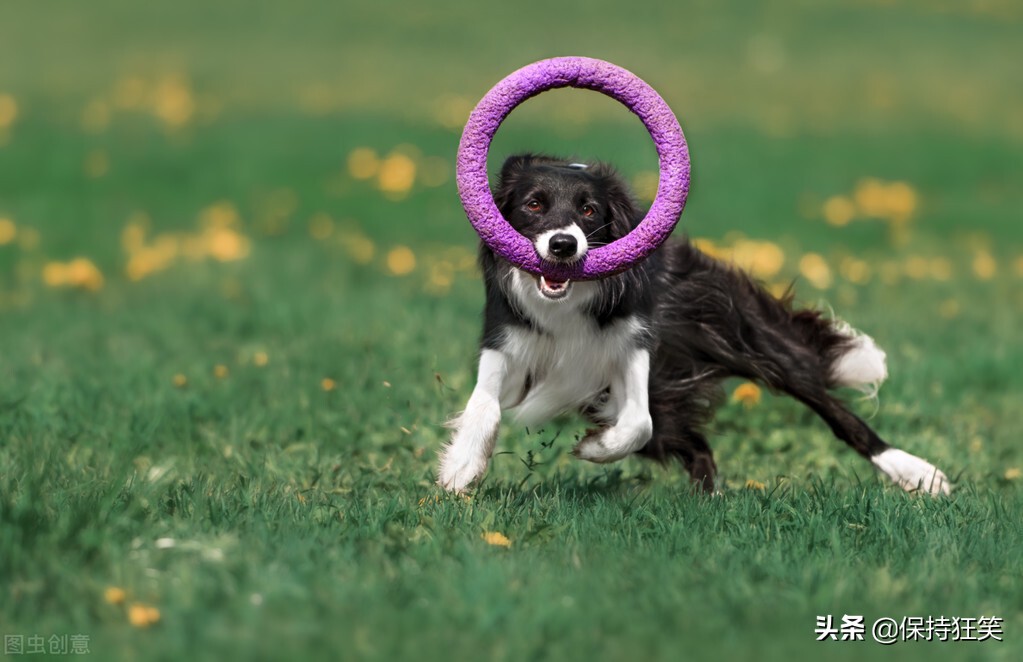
(615, 82)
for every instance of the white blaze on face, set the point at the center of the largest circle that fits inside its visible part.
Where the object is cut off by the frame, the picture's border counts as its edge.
(542, 243)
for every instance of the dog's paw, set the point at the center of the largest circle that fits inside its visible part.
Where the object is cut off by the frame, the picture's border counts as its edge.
(606, 445)
(614, 443)
(591, 448)
(458, 471)
(912, 473)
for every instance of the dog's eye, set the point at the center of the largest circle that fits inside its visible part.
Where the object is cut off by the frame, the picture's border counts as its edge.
(534, 205)
(588, 210)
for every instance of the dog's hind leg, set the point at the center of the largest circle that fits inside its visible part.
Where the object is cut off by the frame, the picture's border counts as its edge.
(909, 472)
(681, 403)
(810, 355)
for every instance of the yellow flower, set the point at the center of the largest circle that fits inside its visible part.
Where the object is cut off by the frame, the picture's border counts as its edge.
(8, 231)
(79, 272)
(748, 394)
(496, 539)
(397, 174)
(359, 246)
(763, 258)
(8, 110)
(142, 616)
(114, 595)
(816, 270)
(260, 359)
(855, 270)
(180, 380)
(220, 371)
(900, 201)
(363, 163)
(225, 244)
(984, 265)
(1013, 473)
(754, 485)
(83, 274)
(328, 384)
(401, 260)
(839, 210)
(173, 102)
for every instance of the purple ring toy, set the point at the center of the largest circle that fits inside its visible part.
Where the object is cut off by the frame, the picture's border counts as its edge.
(592, 74)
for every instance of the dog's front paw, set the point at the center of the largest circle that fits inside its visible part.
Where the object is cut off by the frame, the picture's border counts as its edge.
(595, 447)
(616, 442)
(458, 471)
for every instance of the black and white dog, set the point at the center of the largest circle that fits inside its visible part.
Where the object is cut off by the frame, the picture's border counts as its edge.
(642, 354)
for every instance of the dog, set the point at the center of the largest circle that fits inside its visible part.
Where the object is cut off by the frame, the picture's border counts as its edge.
(642, 354)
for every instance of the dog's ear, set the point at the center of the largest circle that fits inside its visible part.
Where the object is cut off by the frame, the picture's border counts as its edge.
(511, 174)
(515, 164)
(624, 215)
(514, 170)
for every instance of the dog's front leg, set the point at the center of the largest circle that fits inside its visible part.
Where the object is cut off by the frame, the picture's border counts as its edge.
(633, 427)
(465, 458)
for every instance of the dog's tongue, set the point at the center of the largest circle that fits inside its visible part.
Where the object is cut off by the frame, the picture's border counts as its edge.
(553, 284)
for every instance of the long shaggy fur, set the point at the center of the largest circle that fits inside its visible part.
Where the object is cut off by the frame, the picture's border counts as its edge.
(701, 320)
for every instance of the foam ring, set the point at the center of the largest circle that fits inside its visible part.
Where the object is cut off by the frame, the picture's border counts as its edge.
(585, 73)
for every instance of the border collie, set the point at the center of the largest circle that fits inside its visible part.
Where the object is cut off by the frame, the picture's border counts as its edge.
(642, 354)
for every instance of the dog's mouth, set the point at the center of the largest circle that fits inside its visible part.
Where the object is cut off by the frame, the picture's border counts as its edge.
(553, 289)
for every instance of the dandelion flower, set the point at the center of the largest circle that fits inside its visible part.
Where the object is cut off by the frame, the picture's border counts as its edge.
(8, 110)
(8, 231)
(748, 394)
(142, 616)
(984, 265)
(363, 163)
(114, 595)
(496, 539)
(816, 270)
(839, 210)
(401, 261)
(397, 175)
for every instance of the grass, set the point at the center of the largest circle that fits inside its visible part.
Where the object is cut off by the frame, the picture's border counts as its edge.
(242, 435)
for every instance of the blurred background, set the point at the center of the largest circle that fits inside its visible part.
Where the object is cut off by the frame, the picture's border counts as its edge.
(257, 148)
(860, 126)
(231, 245)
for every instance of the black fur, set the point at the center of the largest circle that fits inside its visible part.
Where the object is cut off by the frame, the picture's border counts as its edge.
(707, 320)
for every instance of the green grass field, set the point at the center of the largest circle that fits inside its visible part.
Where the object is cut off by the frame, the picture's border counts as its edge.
(238, 302)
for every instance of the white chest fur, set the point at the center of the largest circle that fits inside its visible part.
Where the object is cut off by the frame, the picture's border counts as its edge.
(568, 360)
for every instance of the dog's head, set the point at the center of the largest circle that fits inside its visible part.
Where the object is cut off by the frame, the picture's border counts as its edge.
(564, 208)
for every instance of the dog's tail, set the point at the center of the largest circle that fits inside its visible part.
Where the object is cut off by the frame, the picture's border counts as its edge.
(852, 358)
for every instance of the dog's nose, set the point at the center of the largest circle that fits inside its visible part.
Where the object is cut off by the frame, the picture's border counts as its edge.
(562, 245)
